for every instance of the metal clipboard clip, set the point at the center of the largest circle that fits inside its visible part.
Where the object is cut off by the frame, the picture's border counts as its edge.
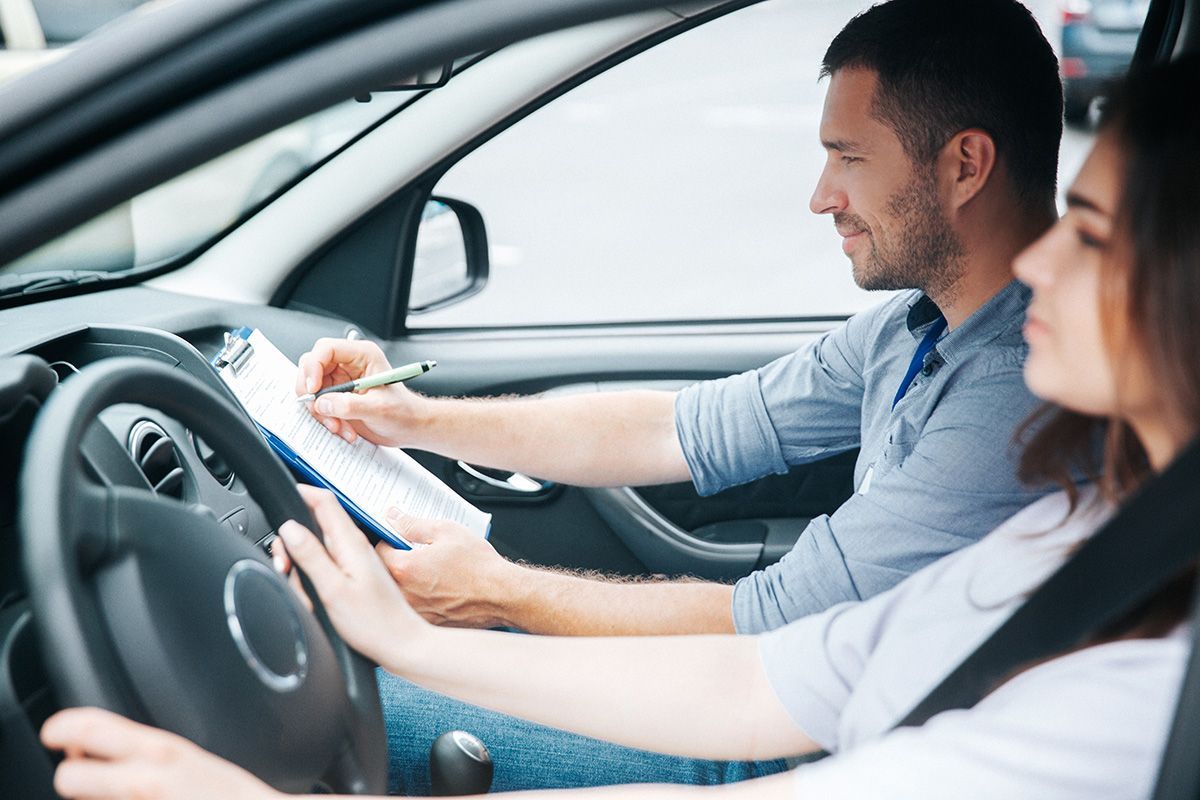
(235, 353)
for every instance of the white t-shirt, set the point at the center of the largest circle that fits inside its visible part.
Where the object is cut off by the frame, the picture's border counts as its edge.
(1091, 724)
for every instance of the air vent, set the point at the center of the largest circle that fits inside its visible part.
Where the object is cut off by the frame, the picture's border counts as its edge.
(155, 454)
(216, 466)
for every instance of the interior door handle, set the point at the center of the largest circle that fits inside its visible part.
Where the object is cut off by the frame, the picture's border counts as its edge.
(663, 546)
(515, 483)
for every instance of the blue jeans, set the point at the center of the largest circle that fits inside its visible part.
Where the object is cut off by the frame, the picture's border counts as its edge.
(527, 755)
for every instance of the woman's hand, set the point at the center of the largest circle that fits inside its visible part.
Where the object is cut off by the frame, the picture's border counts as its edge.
(363, 602)
(386, 415)
(108, 756)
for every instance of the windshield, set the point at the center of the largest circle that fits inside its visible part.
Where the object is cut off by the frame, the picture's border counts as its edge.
(185, 214)
(196, 208)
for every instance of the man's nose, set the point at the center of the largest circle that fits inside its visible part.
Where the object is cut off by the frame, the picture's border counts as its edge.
(826, 197)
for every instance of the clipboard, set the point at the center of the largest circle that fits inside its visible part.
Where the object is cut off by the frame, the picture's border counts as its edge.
(234, 355)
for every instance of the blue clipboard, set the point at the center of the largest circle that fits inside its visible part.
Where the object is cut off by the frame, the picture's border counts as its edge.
(237, 347)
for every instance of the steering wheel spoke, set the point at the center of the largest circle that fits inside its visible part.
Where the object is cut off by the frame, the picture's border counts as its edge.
(113, 521)
(91, 532)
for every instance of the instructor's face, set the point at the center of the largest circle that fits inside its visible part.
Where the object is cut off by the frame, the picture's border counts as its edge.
(886, 209)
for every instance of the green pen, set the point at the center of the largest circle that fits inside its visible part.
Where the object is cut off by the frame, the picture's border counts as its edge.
(397, 375)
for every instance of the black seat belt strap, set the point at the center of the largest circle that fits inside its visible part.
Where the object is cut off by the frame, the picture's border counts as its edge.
(1154, 537)
(1179, 773)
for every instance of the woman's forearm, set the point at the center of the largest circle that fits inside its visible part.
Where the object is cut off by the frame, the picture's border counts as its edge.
(695, 696)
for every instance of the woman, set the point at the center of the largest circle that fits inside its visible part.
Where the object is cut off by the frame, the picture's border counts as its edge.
(1113, 336)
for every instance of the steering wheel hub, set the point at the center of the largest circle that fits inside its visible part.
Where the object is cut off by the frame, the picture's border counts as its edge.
(265, 626)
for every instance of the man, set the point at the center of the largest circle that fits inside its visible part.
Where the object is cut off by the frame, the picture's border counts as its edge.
(941, 127)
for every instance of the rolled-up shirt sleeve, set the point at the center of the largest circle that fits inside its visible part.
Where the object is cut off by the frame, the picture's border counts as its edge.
(952, 485)
(728, 428)
(726, 433)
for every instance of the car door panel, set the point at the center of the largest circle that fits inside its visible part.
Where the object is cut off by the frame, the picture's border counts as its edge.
(666, 529)
(674, 530)
(559, 529)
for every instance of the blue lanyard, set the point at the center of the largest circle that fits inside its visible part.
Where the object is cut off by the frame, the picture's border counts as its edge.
(918, 359)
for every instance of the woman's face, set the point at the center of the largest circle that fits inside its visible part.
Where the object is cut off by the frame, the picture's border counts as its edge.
(1068, 363)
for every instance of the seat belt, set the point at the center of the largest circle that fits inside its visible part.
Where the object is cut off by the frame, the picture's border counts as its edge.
(1179, 772)
(1153, 538)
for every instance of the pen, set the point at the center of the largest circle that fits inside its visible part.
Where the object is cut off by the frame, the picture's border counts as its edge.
(407, 372)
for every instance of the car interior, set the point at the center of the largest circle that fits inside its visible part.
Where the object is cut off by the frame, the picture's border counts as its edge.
(116, 428)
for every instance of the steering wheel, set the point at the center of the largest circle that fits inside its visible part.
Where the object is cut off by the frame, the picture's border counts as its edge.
(152, 608)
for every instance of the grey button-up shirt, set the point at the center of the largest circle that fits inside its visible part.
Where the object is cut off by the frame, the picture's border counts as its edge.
(934, 473)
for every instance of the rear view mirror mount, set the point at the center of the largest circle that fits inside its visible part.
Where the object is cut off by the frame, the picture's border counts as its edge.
(432, 78)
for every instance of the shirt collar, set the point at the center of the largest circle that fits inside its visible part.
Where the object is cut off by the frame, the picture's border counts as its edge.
(922, 311)
(1003, 313)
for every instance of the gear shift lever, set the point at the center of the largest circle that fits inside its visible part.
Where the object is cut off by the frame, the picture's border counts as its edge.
(459, 764)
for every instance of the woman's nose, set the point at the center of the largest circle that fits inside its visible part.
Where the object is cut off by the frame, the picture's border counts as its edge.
(1035, 265)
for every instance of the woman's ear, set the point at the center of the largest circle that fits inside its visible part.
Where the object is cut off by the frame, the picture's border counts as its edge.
(969, 159)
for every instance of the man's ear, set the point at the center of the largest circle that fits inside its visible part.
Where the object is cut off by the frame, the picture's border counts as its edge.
(969, 159)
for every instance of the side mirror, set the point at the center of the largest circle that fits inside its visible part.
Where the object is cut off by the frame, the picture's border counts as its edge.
(450, 262)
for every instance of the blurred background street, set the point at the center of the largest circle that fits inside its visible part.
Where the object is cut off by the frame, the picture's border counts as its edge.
(684, 173)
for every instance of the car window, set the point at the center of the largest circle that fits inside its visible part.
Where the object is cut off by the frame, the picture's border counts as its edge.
(185, 214)
(680, 176)
(178, 216)
(64, 21)
(36, 32)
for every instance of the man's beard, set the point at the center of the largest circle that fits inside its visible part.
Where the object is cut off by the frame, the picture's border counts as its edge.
(926, 254)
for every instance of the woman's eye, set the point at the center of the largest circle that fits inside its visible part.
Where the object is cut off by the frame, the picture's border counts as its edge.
(1088, 240)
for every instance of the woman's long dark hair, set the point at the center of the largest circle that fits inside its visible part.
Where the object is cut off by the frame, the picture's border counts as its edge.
(1150, 303)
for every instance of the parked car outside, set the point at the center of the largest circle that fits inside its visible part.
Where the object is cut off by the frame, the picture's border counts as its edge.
(1098, 40)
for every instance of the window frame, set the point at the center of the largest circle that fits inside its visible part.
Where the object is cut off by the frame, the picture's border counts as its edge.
(427, 182)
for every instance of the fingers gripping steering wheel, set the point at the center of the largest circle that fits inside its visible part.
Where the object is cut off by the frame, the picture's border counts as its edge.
(153, 609)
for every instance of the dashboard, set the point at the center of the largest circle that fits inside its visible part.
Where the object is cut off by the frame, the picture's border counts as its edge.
(45, 345)
(131, 445)
(141, 447)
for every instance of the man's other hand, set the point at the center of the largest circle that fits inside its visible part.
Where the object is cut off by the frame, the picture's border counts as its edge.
(453, 577)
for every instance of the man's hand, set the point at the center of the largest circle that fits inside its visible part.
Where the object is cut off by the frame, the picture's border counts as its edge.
(363, 602)
(456, 578)
(107, 756)
(384, 415)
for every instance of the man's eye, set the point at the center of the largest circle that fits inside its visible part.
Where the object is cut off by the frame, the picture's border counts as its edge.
(850, 159)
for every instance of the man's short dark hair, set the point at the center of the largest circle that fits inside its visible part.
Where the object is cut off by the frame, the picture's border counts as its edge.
(948, 65)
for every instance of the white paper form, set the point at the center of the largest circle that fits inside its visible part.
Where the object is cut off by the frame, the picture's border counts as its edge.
(373, 477)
